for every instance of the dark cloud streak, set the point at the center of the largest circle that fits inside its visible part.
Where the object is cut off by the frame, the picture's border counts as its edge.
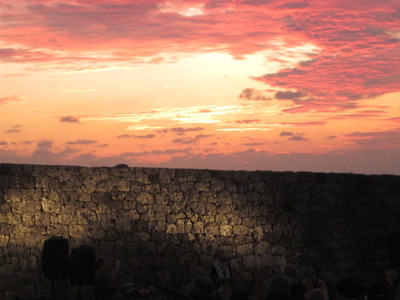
(69, 119)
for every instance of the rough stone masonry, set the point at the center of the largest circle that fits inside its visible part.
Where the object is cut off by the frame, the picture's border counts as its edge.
(165, 224)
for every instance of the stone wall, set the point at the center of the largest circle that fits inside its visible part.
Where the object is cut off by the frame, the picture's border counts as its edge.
(165, 224)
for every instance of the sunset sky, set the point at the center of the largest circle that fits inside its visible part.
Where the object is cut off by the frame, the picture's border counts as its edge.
(232, 85)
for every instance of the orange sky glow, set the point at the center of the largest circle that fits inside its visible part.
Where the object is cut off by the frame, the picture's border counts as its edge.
(280, 85)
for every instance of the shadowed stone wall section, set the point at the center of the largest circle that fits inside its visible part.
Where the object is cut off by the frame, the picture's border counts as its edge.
(165, 224)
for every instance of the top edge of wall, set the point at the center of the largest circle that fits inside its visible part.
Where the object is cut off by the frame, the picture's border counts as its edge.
(24, 168)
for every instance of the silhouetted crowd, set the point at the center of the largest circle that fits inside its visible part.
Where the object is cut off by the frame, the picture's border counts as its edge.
(219, 286)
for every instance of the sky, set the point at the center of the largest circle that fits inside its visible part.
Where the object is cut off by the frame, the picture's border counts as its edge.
(277, 85)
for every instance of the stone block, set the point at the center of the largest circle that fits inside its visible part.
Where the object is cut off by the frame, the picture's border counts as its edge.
(58, 230)
(66, 219)
(217, 185)
(123, 185)
(14, 219)
(251, 262)
(32, 240)
(242, 239)
(245, 249)
(142, 236)
(224, 209)
(222, 219)
(211, 229)
(189, 259)
(171, 229)
(77, 231)
(4, 239)
(198, 228)
(202, 186)
(141, 177)
(4, 182)
(86, 216)
(6, 228)
(183, 226)
(278, 250)
(241, 230)
(187, 186)
(111, 234)
(50, 206)
(237, 265)
(14, 182)
(164, 176)
(99, 197)
(85, 197)
(123, 224)
(144, 198)
(226, 230)
(7, 269)
(250, 222)
(12, 195)
(262, 248)
(172, 218)
(42, 219)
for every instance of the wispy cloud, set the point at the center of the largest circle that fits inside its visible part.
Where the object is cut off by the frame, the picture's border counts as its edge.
(9, 99)
(81, 142)
(171, 116)
(14, 129)
(78, 91)
(136, 136)
(248, 121)
(69, 119)
(253, 94)
(293, 136)
(190, 140)
(182, 130)
(376, 139)
(45, 144)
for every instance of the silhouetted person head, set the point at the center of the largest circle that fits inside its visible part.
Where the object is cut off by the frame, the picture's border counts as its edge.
(202, 288)
(297, 290)
(315, 273)
(279, 288)
(317, 294)
(391, 277)
(221, 255)
(100, 264)
(239, 294)
(377, 291)
(348, 288)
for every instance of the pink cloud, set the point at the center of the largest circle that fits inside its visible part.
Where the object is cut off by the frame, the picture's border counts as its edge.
(138, 29)
(10, 99)
(377, 139)
(357, 59)
(358, 41)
